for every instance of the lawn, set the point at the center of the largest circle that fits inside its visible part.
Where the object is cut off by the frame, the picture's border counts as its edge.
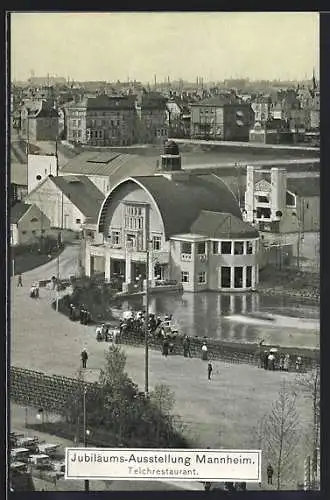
(27, 261)
(221, 413)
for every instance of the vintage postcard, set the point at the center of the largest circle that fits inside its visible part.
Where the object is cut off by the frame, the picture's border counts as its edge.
(164, 251)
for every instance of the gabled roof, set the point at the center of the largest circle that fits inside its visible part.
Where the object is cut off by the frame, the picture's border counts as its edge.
(17, 212)
(222, 225)
(18, 174)
(42, 109)
(181, 201)
(82, 193)
(304, 186)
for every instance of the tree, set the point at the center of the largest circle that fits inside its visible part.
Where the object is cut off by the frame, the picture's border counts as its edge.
(163, 399)
(280, 433)
(310, 384)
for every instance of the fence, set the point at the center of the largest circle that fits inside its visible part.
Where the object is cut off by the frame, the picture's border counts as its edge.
(217, 350)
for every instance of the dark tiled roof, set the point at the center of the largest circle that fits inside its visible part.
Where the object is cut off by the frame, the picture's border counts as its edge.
(82, 192)
(180, 202)
(17, 212)
(304, 186)
(222, 225)
(111, 102)
(153, 100)
(218, 101)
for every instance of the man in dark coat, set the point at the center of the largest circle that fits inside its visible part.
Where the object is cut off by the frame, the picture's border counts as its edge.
(19, 280)
(166, 346)
(84, 358)
(270, 472)
(209, 370)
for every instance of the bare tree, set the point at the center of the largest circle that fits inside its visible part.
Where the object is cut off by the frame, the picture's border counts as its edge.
(280, 430)
(310, 384)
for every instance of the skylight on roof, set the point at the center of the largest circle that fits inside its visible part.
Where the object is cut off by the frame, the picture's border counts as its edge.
(103, 158)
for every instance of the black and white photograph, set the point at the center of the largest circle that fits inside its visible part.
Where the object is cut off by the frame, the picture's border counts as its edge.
(164, 251)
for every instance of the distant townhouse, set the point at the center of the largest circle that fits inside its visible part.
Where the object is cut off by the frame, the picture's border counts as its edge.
(101, 121)
(262, 109)
(39, 121)
(152, 125)
(221, 118)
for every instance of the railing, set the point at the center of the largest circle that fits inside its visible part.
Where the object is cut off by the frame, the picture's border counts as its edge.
(217, 350)
(186, 257)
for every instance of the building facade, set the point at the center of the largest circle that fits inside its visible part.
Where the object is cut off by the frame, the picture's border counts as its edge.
(101, 121)
(148, 225)
(39, 121)
(222, 119)
(152, 124)
(67, 201)
(27, 223)
(278, 204)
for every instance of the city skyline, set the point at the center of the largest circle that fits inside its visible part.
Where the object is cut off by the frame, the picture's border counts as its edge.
(83, 46)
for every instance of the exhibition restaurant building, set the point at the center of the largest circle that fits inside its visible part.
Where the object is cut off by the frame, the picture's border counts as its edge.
(189, 227)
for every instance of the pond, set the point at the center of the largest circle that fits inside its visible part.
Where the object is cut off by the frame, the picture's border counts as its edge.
(226, 317)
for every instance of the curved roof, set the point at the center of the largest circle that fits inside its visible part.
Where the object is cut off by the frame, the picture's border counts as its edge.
(180, 201)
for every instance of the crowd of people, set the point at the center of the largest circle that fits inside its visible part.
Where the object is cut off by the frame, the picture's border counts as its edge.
(272, 359)
(82, 313)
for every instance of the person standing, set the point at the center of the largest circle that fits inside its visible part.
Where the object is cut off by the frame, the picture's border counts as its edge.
(19, 280)
(166, 345)
(286, 365)
(270, 472)
(271, 361)
(209, 370)
(204, 352)
(266, 360)
(281, 364)
(84, 357)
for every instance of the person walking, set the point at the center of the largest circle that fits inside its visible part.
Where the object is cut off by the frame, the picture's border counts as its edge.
(270, 472)
(84, 357)
(209, 370)
(19, 280)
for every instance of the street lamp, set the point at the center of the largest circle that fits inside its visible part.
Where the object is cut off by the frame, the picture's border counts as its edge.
(146, 324)
(86, 431)
(146, 329)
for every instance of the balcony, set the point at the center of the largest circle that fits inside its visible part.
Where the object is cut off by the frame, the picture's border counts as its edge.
(186, 257)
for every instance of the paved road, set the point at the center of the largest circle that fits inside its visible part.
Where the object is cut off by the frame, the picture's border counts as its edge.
(68, 265)
(44, 340)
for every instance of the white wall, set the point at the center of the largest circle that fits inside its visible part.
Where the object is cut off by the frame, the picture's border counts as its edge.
(40, 165)
(49, 199)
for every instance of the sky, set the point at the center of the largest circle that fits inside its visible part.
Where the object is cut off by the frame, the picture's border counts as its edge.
(117, 46)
